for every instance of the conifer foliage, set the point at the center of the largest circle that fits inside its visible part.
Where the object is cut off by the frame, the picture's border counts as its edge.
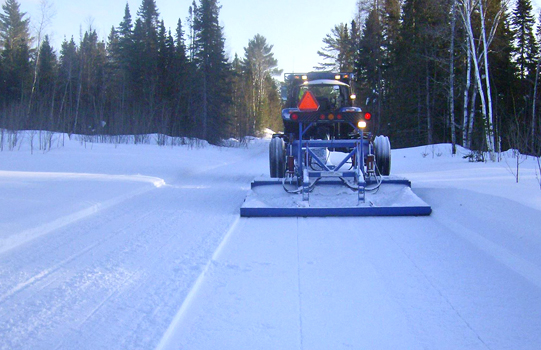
(143, 79)
(460, 71)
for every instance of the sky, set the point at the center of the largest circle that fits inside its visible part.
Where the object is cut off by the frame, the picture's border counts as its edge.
(295, 28)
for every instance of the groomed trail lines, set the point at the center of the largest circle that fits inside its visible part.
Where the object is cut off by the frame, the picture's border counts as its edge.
(514, 262)
(168, 339)
(23, 237)
(21, 286)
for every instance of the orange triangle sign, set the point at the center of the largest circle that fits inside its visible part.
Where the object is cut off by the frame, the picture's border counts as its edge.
(308, 102)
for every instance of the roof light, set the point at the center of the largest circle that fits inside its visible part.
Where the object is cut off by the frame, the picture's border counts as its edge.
(308, 102)
(337, 77)
(361, 124)
(353, 96)
(304, 77)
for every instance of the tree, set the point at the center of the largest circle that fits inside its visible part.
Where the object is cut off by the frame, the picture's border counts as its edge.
(526, 56)
(526, 49)
(15, 54)
(369, 65)
(44, 21)
(68, 81)
(46, 85)
(420, 87)
(213, 71)
(181, 74)
(338, 53)
(259, 66)
(146, 52)
(479, 49)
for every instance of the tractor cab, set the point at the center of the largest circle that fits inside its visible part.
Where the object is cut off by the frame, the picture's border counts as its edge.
(325, 99)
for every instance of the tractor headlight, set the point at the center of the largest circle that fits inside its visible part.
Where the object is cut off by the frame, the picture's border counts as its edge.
(361, 124)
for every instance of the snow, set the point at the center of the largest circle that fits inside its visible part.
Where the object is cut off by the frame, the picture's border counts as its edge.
(119, 246)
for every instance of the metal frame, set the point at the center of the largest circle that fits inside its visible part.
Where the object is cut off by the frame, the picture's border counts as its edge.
(301, 150)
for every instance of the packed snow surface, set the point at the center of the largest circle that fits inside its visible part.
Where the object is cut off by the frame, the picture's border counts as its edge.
(107, 246)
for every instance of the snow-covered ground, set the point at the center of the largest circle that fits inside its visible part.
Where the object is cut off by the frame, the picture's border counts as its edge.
(142, 247)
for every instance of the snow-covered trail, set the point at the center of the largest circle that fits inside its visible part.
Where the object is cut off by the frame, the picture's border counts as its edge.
(114, 277)
(369, 283)
(468, 277)
(142, 248)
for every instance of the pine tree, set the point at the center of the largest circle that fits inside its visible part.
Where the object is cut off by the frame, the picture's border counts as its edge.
(213, 71)
(526, 55)
(422, 54)
(526, 49)
(15, 54)
(369, 65)
(46, 86)
(68, 78)
(338, 53)
(259, 65)
(505, 81)
(180, 82)
(145, 52)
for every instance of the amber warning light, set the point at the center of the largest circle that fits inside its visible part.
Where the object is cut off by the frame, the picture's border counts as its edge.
(308, 103)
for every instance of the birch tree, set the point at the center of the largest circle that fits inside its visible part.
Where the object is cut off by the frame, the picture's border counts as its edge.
(479, 56)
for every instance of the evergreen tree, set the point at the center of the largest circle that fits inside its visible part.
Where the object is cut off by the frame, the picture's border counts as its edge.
(259, 66)
(89, 115)
(526, 55)
(146, 54)
(213, 71)
(503, 73)
(15, 52)
(526, 49)
(181, 73)
(126, 59)
(338, 53)
(422, 54)
(46, 86)
(369, 65)
(375, 60)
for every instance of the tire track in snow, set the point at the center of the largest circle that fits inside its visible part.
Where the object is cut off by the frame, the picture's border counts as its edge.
(301, 337)
(524, 268)
(45, 273)
(26, 236)
(437, 289)
(168, 339)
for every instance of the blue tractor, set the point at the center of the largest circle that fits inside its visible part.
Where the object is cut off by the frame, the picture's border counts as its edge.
(325, 144)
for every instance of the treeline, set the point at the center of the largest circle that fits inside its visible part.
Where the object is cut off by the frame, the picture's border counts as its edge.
(143, 79)
(461, 71)
(430, 71)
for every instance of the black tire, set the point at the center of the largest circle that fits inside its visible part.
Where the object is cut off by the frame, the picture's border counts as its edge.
(382, 147)
(277, 157)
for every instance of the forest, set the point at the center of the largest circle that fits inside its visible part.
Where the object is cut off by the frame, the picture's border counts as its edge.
(464, 72)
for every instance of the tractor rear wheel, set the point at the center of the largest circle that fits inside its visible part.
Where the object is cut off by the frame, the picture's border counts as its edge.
(382, 147)
(277, 157)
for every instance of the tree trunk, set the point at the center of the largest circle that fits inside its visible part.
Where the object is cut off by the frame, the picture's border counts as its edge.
(429, 130)
(465, 123)
(452, 78)
(534, 105)
(489, 125)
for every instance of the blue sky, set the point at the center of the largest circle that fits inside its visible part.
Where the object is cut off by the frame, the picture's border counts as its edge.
(295, 27)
